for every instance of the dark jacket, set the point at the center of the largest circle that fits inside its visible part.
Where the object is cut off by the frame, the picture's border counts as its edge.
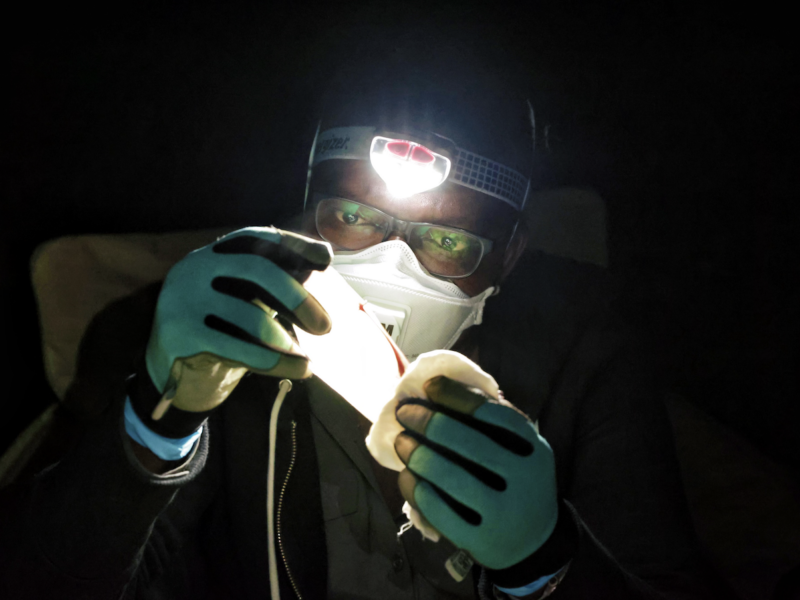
(98, 525)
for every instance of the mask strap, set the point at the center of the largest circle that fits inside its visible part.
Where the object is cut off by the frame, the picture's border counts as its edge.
(513, 233)
(516, 223)
(311, 165)
(521, 208)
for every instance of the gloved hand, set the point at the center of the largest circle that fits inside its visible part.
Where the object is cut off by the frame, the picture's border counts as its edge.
(215, 320)
(478, 472)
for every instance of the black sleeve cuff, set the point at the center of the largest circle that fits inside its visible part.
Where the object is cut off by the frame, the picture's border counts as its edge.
(557, 551)
(175, 423)
(181, 471)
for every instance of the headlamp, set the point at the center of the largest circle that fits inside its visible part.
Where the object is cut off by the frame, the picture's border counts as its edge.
(409, 167)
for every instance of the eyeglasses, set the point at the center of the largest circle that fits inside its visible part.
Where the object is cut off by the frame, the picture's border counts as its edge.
(443, 251)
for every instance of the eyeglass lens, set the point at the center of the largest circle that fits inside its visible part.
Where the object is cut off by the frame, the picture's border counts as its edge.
(443, 251)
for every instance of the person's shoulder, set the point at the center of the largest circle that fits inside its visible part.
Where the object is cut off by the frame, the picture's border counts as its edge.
(534, 326)
(557, 288)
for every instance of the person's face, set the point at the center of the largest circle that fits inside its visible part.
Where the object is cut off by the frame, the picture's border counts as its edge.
(449, 204)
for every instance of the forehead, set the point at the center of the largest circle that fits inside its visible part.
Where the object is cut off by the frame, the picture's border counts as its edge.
(449, 204)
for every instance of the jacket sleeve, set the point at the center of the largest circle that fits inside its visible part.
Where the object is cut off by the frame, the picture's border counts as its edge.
(632, 534)
(88, 525)
(575, 363)
(81, 527)
(623, 481)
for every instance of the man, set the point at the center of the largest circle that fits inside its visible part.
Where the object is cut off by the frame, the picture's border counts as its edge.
(217, 470)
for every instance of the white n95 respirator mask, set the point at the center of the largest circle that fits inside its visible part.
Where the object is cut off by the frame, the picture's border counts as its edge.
(420, 312)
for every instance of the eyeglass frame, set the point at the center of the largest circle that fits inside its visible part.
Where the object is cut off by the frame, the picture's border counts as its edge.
(486, 244)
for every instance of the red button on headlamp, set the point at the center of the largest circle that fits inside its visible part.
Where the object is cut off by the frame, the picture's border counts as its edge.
(398, 148)
(420, 154)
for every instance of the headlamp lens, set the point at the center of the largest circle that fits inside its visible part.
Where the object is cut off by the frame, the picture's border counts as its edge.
(443, 251)
(407, 167)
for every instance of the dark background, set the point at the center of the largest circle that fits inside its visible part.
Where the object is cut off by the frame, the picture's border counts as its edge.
(159, 118)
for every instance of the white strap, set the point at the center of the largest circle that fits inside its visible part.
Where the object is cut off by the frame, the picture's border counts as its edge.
(275, 593)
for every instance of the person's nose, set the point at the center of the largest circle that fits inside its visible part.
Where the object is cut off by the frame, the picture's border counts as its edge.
(398, 232)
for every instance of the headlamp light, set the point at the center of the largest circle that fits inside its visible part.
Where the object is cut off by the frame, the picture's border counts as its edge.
(408, 167)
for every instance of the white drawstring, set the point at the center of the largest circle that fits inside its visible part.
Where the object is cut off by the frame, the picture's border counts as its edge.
(285, 386)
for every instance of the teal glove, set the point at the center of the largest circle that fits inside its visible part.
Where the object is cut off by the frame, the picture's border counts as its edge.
(478, 472)
(216, 320)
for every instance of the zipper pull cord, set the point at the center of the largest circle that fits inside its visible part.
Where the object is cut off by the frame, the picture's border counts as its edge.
(284, 387)
(403, 528)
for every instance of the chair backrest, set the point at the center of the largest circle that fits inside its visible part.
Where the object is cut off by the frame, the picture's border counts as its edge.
(75, 277)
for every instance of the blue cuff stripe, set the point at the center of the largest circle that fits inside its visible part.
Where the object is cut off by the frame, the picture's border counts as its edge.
(163, 447)
(527, 589)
